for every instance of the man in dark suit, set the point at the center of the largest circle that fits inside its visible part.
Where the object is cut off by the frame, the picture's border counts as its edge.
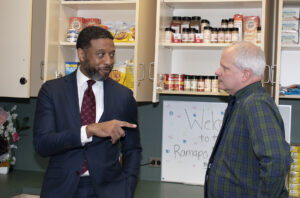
(83, 121)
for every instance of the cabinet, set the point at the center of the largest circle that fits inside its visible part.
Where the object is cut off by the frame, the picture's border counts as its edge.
(15, 48)
(287, 60)
(199, 58)
(140, 12)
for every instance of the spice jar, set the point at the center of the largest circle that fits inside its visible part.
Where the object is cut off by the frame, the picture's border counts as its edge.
(204, 23)
(207, 84)
(168, 34)
(235, 34)
(214, 35)
(187, 83)
(160, 82)
(221, 35)
(195, 23)
(185, 22)
(230, 23)
(200, 84)
(176, 24)
(185, 35)
(192, 34)
(194, 83)
(228, 35)
(258, 35)
(214, 84)
(224, 23)
(207, 34)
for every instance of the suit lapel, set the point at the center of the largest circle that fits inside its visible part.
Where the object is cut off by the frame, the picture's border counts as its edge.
(108, 97)
(71, 94)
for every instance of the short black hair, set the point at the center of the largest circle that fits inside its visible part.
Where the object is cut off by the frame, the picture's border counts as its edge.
(90, 33)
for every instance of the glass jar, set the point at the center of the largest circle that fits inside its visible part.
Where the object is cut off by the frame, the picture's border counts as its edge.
(258, 35)
(235, 34)
(195, 23)
(185, 22)
(169, 34)
(207, 34)
(200, 84)
(160, 82)
(207, 84)
(221, 35)
(187, 83)
(214, 84)
(192, 34)
(228, 35)
(194, 83)
(224, 23)
(214, 35)
(185, 35)
(230, 23)
(176, 24)
(204, 23)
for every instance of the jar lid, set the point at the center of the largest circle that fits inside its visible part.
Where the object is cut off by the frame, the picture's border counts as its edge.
(214, 77)
(224, 21)
(207, 28)
(186, 18)
(169, 29)
(196, 18)
(187, 76)
(176, 18)
(205, 21)
(230, 20)
(259, 28)
(185, 29)
(200, 77)
(193, 30)
(214, 29)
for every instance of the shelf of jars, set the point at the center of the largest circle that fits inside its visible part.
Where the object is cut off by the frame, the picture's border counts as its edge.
(94, 5)
(220, 93)
(291, 47)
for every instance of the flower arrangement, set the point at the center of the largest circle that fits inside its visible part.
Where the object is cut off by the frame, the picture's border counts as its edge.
(10, 129)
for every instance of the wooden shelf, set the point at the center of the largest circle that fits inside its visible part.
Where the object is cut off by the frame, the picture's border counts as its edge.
(213, 4)
(289, 96)
(73, 44)
(104, 5)
(291, 47)
(221, 93)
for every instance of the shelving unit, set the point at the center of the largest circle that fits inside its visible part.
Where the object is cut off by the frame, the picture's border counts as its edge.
(197, 58)
(138, 12)
(287, 70)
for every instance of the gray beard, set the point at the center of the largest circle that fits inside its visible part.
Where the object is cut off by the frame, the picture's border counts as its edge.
(92, 73)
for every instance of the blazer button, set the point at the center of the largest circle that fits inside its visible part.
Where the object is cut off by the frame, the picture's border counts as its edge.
(77, 172)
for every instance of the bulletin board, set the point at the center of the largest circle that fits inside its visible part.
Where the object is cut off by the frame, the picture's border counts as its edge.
(190, 130)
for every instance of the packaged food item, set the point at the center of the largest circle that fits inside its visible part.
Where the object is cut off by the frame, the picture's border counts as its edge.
(123, 33)
(70, 67)
(238, 23)
(295, 148)
(76, 23)
(290, 26)
(290, 14)
(118, 73)
(72, 35)
(290, 38)
(129, 77)
(132, 31)
(91, 22)
(250, 28)
(111, 27)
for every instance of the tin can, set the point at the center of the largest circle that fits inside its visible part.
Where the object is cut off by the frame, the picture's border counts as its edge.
(181, 82)
(77, 23)
(167, 82)
(174, 82)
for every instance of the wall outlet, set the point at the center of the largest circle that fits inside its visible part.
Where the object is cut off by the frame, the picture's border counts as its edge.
(154, 162)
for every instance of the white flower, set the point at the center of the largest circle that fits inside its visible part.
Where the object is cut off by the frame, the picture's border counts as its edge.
(13, 146)
(13, 108)
(14, 116)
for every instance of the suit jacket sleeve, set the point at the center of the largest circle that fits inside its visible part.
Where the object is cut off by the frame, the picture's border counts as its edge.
(52, 134)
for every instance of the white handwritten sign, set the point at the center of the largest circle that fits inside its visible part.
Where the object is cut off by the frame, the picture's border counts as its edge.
(190, 130)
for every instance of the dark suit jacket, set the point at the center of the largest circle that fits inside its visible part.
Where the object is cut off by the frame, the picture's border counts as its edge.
(57, 135)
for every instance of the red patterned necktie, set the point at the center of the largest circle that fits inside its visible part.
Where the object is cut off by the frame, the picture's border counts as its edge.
(88, 110)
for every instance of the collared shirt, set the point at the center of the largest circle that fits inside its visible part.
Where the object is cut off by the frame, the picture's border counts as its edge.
(99, 97)
(252, 158)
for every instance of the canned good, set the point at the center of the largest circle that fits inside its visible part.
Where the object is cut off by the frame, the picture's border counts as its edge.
(167, 82)
(76, 23)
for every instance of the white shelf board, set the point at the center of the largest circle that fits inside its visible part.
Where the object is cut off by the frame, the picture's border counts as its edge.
(221, 93)
(116, 44)
(104, 5)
